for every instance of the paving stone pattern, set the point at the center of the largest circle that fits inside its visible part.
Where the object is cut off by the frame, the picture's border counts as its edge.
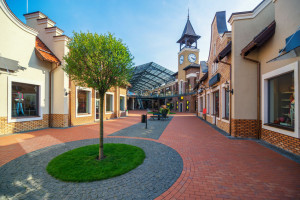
(154, 129)
(26, 177)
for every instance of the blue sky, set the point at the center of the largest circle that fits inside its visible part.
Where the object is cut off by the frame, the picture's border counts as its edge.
(150, 28)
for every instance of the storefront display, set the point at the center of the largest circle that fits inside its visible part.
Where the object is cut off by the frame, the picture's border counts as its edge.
(24, 100)
(282, 101)
(83, 101)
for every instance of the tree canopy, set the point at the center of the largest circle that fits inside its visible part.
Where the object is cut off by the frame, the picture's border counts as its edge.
(98, 61)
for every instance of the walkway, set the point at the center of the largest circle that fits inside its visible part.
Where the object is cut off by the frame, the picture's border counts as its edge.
(214, 167)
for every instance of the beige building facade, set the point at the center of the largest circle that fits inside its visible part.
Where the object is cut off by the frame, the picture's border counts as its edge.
(261, 72)
(35, 91)
(271, 25)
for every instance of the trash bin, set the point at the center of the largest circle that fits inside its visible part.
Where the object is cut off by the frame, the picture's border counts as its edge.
(143, 119)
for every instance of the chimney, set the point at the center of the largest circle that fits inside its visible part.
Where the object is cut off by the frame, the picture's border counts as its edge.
(38, 20)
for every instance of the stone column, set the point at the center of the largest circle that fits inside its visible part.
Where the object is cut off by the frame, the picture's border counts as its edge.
(132, 103)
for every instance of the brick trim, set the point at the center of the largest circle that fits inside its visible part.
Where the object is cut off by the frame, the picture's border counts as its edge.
(285, 142)
(244, 128)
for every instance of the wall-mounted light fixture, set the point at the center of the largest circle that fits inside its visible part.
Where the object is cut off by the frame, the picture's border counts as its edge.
(228, 87)
(67, 93)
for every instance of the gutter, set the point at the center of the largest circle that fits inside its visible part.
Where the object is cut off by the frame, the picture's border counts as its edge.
(258, 93)
(70, 100)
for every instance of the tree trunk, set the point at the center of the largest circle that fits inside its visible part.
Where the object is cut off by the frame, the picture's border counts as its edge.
(101, 154)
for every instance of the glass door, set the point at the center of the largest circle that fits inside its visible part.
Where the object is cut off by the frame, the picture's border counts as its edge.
(97, 106)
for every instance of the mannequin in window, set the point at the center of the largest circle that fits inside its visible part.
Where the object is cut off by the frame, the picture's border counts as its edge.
(19, 100)
(292, 109)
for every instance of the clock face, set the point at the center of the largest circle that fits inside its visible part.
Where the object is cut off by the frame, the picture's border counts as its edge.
(192, 58)
(181, 59)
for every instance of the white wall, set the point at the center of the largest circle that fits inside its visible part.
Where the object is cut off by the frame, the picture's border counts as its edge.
(18, 43)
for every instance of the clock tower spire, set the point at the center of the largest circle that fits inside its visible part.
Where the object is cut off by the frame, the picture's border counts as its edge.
(189, 37)
(188, 52)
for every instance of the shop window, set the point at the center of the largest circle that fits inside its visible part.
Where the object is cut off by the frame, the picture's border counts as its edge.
(208, 104)
(216, 103)
(83, 101)
(226, 104)
(281, 101)
(109, 102)
(122, 103)
(25, 100)
(201, 104)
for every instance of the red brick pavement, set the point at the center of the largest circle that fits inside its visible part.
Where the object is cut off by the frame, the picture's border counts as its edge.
(214, 167)
(17, 145)
(219, 168)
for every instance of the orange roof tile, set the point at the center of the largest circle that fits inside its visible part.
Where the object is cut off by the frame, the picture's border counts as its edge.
(44, 53)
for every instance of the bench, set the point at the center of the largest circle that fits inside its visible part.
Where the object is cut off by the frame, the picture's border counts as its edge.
(155, 115)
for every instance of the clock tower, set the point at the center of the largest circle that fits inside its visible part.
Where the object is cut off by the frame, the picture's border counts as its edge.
(188, 51)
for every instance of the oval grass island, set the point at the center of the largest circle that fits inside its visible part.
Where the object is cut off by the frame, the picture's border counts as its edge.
(81, 164)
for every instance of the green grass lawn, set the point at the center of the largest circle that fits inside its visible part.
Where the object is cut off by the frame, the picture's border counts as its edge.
(169, 113)
(81, 165)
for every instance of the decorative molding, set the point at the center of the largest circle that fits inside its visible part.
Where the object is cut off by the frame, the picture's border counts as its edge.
(188, 49)
(249, 14)
(54, 29)
(15, 20)
(191, 75)
(45, 21)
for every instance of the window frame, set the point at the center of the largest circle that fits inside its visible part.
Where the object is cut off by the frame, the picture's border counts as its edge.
(208, 104)
(122, 95)
(214, 103)
(224, 104)
(41, 91)
(293, 67)
(77, 115)
(113, 102)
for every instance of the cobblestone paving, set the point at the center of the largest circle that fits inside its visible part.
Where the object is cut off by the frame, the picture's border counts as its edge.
(26, 176)
(154, 129)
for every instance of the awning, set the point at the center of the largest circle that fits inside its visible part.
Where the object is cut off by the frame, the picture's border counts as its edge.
(10, 65)
(225, 51)
(260, 39)
(215, 79)
(292, 48)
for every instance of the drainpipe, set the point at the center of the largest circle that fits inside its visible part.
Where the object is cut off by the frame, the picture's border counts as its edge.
(258, 93)
(50, 95)
(70, 100)
(230, 89)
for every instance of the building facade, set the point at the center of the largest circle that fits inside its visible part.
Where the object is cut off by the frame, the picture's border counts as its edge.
(36, 92)
(214, 93)
(250, 91)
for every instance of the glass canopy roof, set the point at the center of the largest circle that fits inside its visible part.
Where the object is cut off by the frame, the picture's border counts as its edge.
(149, 76)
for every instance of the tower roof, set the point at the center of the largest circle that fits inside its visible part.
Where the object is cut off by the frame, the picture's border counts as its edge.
(188, 31)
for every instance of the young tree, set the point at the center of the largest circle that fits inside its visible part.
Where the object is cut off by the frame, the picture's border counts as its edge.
(99, 62)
